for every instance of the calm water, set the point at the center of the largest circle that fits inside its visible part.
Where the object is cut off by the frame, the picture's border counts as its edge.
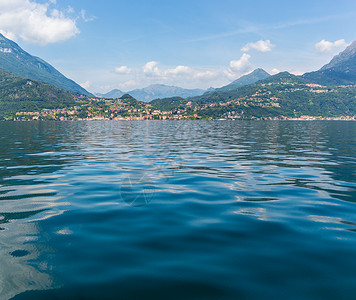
(178, 210)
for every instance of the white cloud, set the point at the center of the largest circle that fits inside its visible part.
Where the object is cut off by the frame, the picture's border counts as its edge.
(70, 10)
(35, 22)
(86, 85)
(289, 70)
(177, 71)
(84, 16)
(239, 67)
(262, 46)
(325, 46)
(123, 70)
(127, 85)
(151, 68)
(9, 35)
(186, 76)
(275, 71)
(296, 72)
(204, 75)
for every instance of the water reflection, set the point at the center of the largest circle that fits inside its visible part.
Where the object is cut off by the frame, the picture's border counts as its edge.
(17, 250)
(28, 166)
(89, 204)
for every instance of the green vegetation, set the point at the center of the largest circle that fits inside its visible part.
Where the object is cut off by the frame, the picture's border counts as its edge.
(169, 104)
(281, 96)
(19, 94)
(327, 93)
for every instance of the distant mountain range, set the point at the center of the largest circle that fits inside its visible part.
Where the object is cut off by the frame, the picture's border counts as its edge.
(155, 91)
(114, 94)
(17, 61)
(161, 91)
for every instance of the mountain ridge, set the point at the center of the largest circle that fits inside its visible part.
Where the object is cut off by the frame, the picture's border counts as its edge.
(252, 77)
(22, 94)
(155, 91)
(17, 61)
(113, 94)
(341, 70)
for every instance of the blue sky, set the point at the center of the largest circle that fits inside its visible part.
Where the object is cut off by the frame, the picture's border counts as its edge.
(194, 44)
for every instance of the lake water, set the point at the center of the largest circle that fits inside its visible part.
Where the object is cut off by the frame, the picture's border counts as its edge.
(178, 210)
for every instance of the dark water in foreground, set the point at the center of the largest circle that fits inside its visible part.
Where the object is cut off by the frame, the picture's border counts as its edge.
(178, 210)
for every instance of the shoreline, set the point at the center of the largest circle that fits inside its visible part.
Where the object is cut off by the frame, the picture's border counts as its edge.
(189, 119)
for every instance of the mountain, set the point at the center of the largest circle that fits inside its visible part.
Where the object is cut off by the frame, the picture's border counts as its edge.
(21, 94)
(114, 94)
(221, 95)
(168, 104)
(256, 75)
(17, 61)
(156, 91)
(340, 71)
(281, 95)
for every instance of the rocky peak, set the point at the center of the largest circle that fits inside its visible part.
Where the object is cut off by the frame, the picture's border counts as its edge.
(346, 55)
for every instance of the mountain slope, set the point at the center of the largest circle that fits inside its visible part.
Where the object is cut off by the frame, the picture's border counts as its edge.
(167, 104)
(114, 94)
(340, 71)
(281, 95)
(156, 91)
(285, 94)
(17, 61)
(256, 75)
(282, 79)
(21, 94)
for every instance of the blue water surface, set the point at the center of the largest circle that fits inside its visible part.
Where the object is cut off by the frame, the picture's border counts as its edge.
(178, 210)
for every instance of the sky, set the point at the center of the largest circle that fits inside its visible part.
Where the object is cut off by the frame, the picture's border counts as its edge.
(129, 44)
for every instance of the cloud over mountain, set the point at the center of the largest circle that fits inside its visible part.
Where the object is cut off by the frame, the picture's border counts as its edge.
(325, 46)
(239, 67)
(35, 22)
(152, 69)
(123, 70)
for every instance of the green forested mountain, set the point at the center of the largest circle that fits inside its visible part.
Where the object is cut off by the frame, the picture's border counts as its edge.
(17, 61)
(20, 94)
(280, 95)
(168, 104)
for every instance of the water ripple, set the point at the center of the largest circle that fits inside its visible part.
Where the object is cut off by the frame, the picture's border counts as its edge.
(178, 210)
